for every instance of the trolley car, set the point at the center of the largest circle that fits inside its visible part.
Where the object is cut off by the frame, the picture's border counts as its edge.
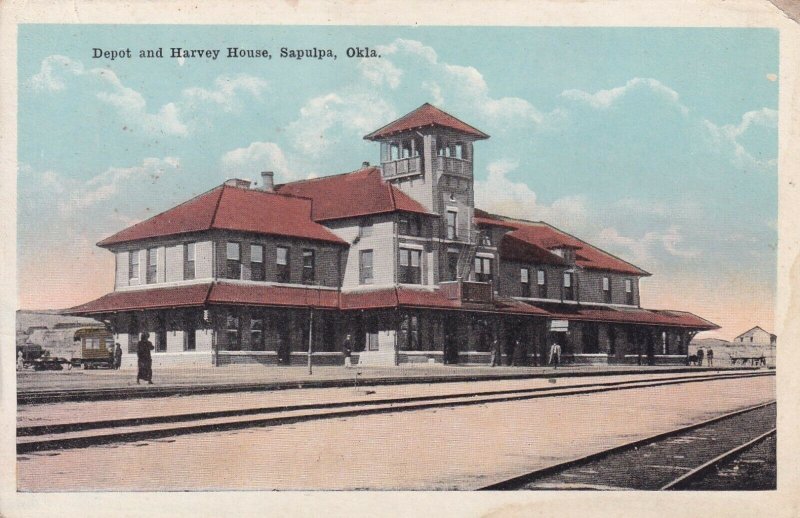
(94, 347)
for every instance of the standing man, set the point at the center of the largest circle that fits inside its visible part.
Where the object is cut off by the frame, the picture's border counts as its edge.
(117, 356)
(347, 350)
(555, 353)
(143, 349)
(710, 356)
(497, 352)
(700, 355)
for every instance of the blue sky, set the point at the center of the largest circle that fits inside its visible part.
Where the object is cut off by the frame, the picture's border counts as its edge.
(659, 145)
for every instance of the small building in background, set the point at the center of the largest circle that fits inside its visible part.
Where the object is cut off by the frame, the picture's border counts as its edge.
(756, 336)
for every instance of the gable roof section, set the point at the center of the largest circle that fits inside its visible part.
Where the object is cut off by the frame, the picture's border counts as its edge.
(541, 237)
(231, 208)
(426, 115)
(753, 329)
(359, 193)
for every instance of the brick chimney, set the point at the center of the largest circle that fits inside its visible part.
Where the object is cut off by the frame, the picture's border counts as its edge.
(268, 181)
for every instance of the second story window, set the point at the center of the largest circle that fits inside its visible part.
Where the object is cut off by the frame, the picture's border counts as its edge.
(365, 228)
(541, 283)
(282, 273)
(569, 289)
(233, 264)
(452, 266)
(629, 292)
(188, 261)
(607, 289)
(525, 281)
(452, 229)
(152, 265)
(133, 265)
(257, 262)
(410, 269)
(409, 225)
(483, 269)
(309, 272)
(365, 267)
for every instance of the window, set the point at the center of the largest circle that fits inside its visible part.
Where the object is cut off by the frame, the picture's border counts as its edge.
(282, 273)
(365, 227)
(189, 337)
(483, 269)
(234, 261)
(452, 218)
(409, 225)
(409, 333)
(257, 334)
(607, 289)
(308, 267)
(486, 238)
(257, 262)
(133, 265)
(365, 267)
(410, 270)
(541, 282)
(406, 149)
(569, 290)
(232, 334)
(188, 261)
(372, 341)
(152, 265)
(394, 152)
(459, 151)
(628, 292)
(452, 266)
(525, 281)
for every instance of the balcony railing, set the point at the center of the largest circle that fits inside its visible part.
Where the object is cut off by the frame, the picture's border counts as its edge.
(452, 165)
(402, 166)
(468, 291)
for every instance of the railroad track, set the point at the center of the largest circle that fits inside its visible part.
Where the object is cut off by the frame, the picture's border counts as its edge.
(33, 397)
(90, 433)
(667, 461)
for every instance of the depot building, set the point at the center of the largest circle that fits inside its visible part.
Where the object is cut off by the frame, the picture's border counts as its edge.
(395, 255)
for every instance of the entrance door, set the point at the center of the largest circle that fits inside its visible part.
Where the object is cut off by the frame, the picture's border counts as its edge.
(450, 341)
(284, 346)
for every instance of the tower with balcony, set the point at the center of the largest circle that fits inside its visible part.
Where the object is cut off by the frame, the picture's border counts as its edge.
(428, 154)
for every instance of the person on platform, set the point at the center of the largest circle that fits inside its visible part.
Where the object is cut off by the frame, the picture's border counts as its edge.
(518, 353)
(497, 352)
(700, 355)
(555, 354)
(710, 356)
(117, 356)
(20, 361)
(143, 349)
(347, 350)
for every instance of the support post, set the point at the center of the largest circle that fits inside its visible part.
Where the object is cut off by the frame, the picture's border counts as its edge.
(310, 339)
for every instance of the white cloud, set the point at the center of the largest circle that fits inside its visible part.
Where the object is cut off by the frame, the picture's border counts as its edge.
(730, 137)
(226, 91)
(671, 240)
(380, 72)
(248, 162)
(56, 71)
(327, 118)
(110, 182)
(603, 99)
(644, 249)
(499, 194)
(411, 47)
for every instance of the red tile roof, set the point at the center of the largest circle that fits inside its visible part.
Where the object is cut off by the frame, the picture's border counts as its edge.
(354, 194)
(257, 295)
(209, 293)
(425, 115)
(545, 237)
(156, 298)
(413, 298)
(232, 208)
(660, 317)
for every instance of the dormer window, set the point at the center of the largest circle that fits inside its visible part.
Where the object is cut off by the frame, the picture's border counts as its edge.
(569, 289)
(607, 289)
(409, 225)
(629, 292)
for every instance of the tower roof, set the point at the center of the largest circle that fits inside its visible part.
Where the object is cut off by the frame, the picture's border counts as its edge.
(426, 115)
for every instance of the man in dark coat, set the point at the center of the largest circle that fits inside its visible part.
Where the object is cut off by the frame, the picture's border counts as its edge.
(347, 350)
(117, 356)
(143, 349)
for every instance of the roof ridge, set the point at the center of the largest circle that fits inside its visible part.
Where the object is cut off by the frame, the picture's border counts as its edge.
(304, 180)
(216, 206)
(164, 212)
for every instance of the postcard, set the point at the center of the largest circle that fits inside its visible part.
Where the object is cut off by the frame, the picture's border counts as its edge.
(498, 258)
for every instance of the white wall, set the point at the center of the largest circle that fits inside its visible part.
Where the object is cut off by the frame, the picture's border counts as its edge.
(380, 241)
(121, 276)
(170, 264)
(174, 263)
